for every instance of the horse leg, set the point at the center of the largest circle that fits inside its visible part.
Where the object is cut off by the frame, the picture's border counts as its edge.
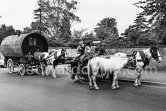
(114, 80)
(116, 83)
(111, 76)
(47, 71)
(53, 72)
(139, 77)
(94, 80)
(42, 68)
(90, 83)
(138, 73)
(90, 74)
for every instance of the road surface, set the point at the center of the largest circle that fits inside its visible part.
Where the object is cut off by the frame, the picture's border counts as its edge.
(37, 93)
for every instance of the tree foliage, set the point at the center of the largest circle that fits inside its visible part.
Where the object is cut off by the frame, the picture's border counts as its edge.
(133, 34)
(155, 13)
(106, 28)
(54, 18)
(77, 35)
(27, 30)
(6, 31)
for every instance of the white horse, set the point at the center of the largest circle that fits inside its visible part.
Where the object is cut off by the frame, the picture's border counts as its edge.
(113, 65)
(142, 59)
(47, 61)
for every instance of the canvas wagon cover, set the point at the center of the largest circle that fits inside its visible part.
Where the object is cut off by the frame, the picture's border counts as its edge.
(19, 46)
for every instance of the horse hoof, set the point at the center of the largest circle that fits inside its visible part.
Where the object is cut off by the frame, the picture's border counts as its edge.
(136, 85)
(96, 88)
(114, 88)
(91, 87)
(117, 87)
(139, 84)
(54, 77)
(72, 77)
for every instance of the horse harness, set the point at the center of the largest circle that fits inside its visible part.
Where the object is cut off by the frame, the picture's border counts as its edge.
(143, 59)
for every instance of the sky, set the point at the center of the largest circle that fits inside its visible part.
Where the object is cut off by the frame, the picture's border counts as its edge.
(19, 13)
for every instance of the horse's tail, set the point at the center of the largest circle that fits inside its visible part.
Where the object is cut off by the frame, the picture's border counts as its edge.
(89, 69)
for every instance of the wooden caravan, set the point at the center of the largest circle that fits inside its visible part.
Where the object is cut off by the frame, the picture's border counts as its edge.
(19, 46)
(15, 48)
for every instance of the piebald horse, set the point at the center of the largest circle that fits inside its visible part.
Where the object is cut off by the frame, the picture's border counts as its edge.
(112, 65)
(50, 58)
(142, 59)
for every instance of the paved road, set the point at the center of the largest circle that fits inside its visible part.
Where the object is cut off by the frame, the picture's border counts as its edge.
(37, 93)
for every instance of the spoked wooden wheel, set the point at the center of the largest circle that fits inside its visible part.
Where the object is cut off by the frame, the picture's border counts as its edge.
(15, 68)
(39, 70)
(83, 78)
(83, 75)
(29, 70)
(22, 69)
(10, 65)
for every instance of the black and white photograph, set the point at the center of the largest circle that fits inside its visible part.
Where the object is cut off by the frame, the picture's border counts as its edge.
(82, 55)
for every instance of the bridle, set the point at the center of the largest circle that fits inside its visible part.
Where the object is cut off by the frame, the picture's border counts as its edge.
(154, 53)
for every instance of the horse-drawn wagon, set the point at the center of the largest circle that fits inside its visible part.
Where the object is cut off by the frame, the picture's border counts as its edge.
(15, 48)
(79, 69)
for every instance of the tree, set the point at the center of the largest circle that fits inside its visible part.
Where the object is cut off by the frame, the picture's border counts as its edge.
(89, 35)
(155, 13)
(6, 31)
(56, 18)
(77, 36)
(141, 24)
(133, 34)
(27, 30)
(106, 28)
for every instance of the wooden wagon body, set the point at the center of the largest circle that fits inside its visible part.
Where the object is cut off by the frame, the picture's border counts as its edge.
(15, 48)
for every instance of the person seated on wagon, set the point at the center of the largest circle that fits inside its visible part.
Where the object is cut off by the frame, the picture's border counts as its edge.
(80, 50)
(88, 48)
(59, 59)
(29, 57)
(37, 54)
(88, 53)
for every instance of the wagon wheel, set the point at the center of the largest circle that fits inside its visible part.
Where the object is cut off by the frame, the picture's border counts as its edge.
(10, 65)
(83, 75)
(22, 69)
(29, 70)
(83, 78)
(39, 70)
(15, 68)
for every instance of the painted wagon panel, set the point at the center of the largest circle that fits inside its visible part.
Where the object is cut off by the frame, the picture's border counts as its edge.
(19, 46)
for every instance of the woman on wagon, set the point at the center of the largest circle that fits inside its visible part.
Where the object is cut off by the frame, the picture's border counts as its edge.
(80, 50)
(88, 53)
